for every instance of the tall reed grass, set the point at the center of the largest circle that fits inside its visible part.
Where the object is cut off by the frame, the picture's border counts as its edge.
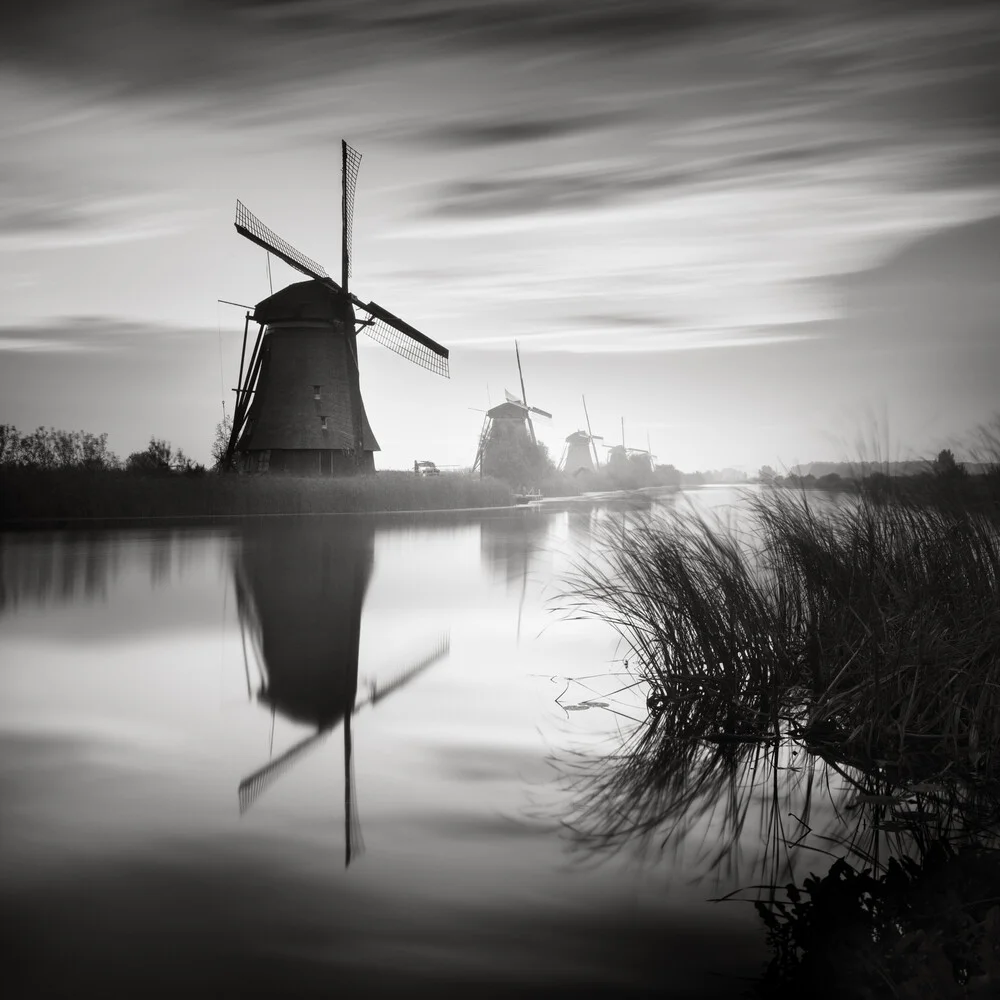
(866, 630)
(69, 494)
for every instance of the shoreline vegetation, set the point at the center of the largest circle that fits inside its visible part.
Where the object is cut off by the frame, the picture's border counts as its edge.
(37, 496)
(56, 478)
(855, 637)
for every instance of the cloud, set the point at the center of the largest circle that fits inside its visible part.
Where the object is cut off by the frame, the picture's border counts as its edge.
(479, 134)
(625, 334)
(90, 334)
(537, 192)
(43, 209)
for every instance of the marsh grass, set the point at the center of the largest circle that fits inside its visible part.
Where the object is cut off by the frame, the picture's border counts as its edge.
(28, 495)
(855, 642)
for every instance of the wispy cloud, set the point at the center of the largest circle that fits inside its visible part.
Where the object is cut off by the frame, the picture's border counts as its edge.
(90, 334)
(43, 209)
(635, 335)
(507, 131)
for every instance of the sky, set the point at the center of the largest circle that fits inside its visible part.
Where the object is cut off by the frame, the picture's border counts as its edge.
(757, 231)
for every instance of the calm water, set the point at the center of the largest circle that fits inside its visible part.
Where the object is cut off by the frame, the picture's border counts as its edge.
(184, 780)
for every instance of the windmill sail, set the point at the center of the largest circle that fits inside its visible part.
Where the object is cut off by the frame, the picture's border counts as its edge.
(352, 162)
(401, 338)
(254, 785)
(248, 225)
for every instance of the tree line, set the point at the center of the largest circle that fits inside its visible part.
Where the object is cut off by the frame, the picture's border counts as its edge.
(51, 448)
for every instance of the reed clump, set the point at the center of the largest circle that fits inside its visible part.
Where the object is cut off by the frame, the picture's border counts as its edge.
(35, 495)
(869, 628)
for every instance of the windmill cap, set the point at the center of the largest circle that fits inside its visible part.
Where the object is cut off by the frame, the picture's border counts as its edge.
(302, 300)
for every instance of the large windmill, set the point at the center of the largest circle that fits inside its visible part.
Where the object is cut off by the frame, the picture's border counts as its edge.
(581, 452)
(507, 423)
(300, 595)
(298, 398)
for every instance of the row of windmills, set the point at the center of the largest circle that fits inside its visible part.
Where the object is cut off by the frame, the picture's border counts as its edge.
(298, 395)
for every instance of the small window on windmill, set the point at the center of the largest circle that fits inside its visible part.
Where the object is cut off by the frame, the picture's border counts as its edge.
(322, 424)
(316, 391)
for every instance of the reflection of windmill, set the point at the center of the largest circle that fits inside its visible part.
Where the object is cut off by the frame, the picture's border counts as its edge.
(253, 786)
(507, 543)
(298, 399)
(507, 423)
(301, 591)
(581, 452)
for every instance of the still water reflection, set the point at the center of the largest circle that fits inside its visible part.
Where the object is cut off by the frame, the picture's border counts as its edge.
(200, 727)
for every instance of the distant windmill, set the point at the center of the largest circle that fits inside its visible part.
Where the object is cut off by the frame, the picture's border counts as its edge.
(298, 399)
(581, 452)
(509, 421)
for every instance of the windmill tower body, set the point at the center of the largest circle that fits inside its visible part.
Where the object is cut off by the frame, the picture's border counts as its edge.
(508, 429)
(303, 593)
(307, 403)
(579, 457)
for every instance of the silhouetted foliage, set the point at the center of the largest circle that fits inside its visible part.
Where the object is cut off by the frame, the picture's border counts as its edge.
(223, 431)
(928, 928)
(154, 460)
(49, 448)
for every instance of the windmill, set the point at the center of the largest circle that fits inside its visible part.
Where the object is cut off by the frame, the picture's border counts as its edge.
(508, 423)
(300, 595)
(581, 452)
(298, 397)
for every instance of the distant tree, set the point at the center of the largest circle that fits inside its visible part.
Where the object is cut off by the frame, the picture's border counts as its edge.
(49, 448)
(945, 466)
(223, 431)
(667, 475)
(766, 474)
(830, 481)
(155, 459)
(10, 444)
(95, 453)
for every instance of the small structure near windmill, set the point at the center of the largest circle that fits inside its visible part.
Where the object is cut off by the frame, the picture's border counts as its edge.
(581, 452)
(507, 442)
(298, 399)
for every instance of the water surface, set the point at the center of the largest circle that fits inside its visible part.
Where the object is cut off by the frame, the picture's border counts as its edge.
(316, 755)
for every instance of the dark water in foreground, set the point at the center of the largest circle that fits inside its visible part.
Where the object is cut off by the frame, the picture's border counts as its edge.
(149, 678)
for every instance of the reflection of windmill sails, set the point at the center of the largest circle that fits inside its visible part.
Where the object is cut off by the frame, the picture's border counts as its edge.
(301, 591)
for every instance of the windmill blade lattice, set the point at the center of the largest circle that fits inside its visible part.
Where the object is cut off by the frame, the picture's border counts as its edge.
(352, 163)
(404, 340)
(376, 693)
(248, 225)
(253, 786)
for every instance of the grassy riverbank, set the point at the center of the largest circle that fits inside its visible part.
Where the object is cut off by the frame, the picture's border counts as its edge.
(28, 495)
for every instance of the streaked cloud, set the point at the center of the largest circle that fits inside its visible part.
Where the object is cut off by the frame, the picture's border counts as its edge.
(89, 334)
